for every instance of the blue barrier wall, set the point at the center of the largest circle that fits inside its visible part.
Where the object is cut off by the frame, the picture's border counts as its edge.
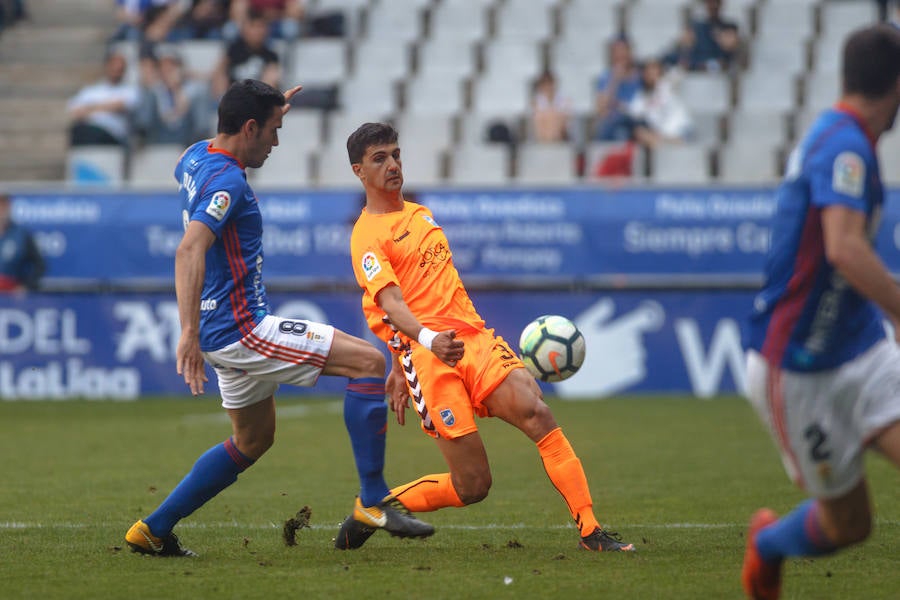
(590, 236)
(610, 259)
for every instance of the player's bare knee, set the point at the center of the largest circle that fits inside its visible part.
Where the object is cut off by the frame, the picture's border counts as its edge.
(854, 530)
(473, 489)
(256, 444)
(371, 363)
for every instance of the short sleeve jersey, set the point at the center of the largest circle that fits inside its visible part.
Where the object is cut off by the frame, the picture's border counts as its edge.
(214, 191)
(807, 316)
(408, 248)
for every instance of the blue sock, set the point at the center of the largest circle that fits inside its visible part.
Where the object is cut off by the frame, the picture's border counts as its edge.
(365, 415)
(795, 534)
(214, 471)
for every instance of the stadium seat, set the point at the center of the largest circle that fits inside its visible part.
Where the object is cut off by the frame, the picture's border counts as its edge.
(573, 53)
(546, 164)
(525, 20)
(318, 61)
(368, 92)
(821, 90)
(889, 150)
(743, 163)
(509, 58)
(707, 92)
(95, 165)
(459, 21)
(752, 128)
(787, 22)
(479, 165)
(598, 153)
(286, 167)
(679, 164)
(474, 127)
(767, 90)
(593, 20)
(449, 57)
(340, 124)
(403, 20)
(301, 130)
(840, 18)
(201, 57)
(654, 26)
(577, 83)
(498, 92)
(434, 93)
(380, 57)
(332, 165)
(778, 55)
(423, 162)
(154, 166)
(352, 10)
(438, 128)
(707, 129)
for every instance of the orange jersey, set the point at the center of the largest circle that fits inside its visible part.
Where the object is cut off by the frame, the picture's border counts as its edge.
(409, 249)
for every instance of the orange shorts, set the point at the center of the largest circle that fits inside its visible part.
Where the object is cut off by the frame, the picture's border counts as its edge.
(448, 398)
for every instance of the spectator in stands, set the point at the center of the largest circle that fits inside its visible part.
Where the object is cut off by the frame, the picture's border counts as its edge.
(550, 110)
(658, 113)
(147, 20)
(249, 56)
(707, 44)
(205, 20)
(615, 89)
(101, 112)
(173, 108)
(21, 263)
(11, 11)
(285, 16)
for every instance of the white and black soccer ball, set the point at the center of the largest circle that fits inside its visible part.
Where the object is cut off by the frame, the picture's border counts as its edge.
(552, 348)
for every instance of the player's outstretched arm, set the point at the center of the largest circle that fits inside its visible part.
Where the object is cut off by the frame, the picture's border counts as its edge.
(443, 344)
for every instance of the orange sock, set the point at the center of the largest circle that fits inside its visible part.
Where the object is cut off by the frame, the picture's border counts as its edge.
(567, 475)
(428, 493)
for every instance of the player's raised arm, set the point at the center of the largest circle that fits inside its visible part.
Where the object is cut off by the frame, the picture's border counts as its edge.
(443, 344)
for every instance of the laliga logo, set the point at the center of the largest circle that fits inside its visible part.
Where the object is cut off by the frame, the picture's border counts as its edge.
(616, 357)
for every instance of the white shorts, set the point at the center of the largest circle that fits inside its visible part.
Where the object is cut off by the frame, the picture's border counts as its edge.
(823, 421)
(277, 351)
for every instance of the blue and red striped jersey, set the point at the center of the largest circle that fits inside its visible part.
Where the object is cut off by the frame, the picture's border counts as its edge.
(214, 190)
(807, 317)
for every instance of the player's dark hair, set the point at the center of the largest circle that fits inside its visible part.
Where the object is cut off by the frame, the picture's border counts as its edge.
(246, 100)
(369, 134)
(871, 61)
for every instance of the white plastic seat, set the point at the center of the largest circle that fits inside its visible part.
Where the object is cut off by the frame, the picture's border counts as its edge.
(789, 21)
(95, 165)
(680, 164)
(742, 163)
(597, 20)
(201, 57)
(708, 92)
(767, 90)
(513, 57)
(434, 94)
(479, 165)
(546, 164)
(822, 89)
(399, 20)
(757, 128)
(574, 53)
(463, 22)
(301, 129)
(368, 92)
(286, 167)
(841, 18)
(451, 57)
(528, 20)
(318, 61)
(501, 93)
(417, 126)
(154, 166)
(382, 58)
(333, 166)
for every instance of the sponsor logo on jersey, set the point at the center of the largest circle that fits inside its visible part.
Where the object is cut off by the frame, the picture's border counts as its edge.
(208, 304)
(219, 204)
(370, 265)
(849, 174)
(447, 417)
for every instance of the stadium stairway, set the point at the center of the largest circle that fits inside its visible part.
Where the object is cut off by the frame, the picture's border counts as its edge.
(44, 60)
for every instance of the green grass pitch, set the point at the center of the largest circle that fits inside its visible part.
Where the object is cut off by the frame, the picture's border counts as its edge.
(679, 477)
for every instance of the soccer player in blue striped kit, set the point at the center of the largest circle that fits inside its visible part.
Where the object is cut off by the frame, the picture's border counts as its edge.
(226, 322)
(822, 372)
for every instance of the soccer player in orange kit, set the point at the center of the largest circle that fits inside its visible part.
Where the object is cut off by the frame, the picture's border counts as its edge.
(445, 358)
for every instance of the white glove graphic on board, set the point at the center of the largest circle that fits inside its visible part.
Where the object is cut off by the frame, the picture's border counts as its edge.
(615, 357)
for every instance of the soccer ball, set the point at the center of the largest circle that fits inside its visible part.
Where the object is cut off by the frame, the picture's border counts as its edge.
(552, 348)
